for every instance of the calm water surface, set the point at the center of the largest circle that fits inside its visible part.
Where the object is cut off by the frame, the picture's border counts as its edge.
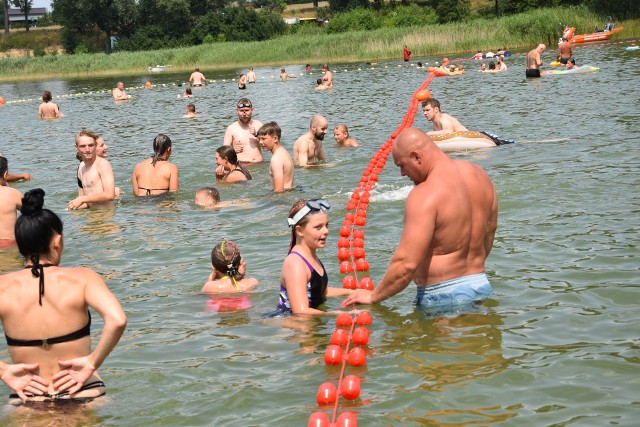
(556, 345)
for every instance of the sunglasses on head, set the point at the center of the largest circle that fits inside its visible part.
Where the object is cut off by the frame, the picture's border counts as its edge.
(245, 105)
(311, 205)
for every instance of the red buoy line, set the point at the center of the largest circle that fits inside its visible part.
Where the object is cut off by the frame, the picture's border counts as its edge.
(352, 258)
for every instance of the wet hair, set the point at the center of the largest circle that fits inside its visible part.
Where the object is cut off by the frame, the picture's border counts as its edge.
(271, 129)
(343, 128)
(89, 133)
(282, 70)
(325, 67)
(227, 153)
(46, 96)
(197, 69)
(302, 222)
(188, 91)
(225, 257)
(4, 167)
(492, 65)
(34, 230)
(433, 102)
(245, 101)
(161, 145)
(319, 82)
(452, 68)
(573, 61)
(210, 193)
(419, 64)
(191, 108)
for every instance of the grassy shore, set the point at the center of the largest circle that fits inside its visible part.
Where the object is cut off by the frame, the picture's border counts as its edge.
(514, 32)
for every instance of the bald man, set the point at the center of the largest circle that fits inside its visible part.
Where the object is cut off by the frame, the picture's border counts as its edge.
(450, 221)
(534, 61)
(308, 149)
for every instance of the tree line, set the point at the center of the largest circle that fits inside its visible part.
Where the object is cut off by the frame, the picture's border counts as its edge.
(155, 24)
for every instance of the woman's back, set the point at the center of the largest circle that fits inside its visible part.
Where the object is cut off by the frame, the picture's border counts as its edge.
(149, 179)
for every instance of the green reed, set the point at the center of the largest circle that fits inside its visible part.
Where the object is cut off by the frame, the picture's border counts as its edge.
(513, 32)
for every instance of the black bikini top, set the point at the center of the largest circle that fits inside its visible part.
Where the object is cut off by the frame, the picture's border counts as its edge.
(80, 333)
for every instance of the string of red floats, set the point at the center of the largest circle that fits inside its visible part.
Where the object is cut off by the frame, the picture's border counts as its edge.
(352, 257)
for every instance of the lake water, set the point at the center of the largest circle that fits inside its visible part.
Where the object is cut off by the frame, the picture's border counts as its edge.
(557, 344)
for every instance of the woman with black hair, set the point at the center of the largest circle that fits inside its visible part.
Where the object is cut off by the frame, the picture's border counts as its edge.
(156, 175)
(47, 322)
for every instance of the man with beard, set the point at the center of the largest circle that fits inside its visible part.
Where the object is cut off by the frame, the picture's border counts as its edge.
(241, 134)
(307, 149)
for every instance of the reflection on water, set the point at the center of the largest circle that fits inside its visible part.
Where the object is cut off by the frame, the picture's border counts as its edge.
(557, 343)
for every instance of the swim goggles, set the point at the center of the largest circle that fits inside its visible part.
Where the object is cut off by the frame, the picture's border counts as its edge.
(311, 205)
(245, 105)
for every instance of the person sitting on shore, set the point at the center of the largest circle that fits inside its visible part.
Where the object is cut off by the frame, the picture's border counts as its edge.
(442, 123)
(10, 203)
(190, 112)
(156, 175)
(48, 333)
(229, 270)
(48, 110)
(284, 76)
(341, 135)
(229, 168)
(119, 93)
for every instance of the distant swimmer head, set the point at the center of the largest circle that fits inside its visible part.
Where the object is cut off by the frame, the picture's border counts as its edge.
(46, 96)
(207, 197)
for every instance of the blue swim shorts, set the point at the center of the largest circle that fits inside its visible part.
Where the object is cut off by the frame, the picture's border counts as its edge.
(458, 291)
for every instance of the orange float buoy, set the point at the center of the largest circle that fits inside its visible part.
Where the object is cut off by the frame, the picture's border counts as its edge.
(358, 242)
(1, 100)
(344, 319)
(357, 357)
(358, 234)
(362, 264)
(366, 283)
(349, 282)
(431, 69)
(148, 84)
(359, 253)
(345, 232)
(423, 95)
(363, 318)
(346, 267)
(339, 337)
(350, 387)
(360, 221)
(347, 419)
(360, 336)
(333, 355)
(327, 394)
(319, 419)
(343, 242)
(343, 254)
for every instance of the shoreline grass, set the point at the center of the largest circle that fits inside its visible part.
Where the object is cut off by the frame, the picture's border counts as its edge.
(515, 32)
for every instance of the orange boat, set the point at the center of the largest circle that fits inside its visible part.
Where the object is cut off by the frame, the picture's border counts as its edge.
(595, 37)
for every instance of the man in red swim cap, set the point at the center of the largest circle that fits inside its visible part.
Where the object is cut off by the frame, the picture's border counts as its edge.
(450, 220)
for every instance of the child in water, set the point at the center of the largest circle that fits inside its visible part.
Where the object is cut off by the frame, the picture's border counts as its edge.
(229, 270)
(341, 135)
(303, 278)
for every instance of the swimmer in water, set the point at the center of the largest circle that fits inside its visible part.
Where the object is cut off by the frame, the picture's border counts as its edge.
(308, 148)
(281, 166)
(304, 283)
(207, 197)
(196, 78)
(10, 204)
(156, 175)
(251, 76)
(229, 270)
(229, 168)
(48, 110)
(119, 93)
(190, 112)
(187, 93)
(48, 333)
(242, 82)
(442, 123)
(341, 135)
(327, 80)
(96, 184)
(242, 134)
(284, 76)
